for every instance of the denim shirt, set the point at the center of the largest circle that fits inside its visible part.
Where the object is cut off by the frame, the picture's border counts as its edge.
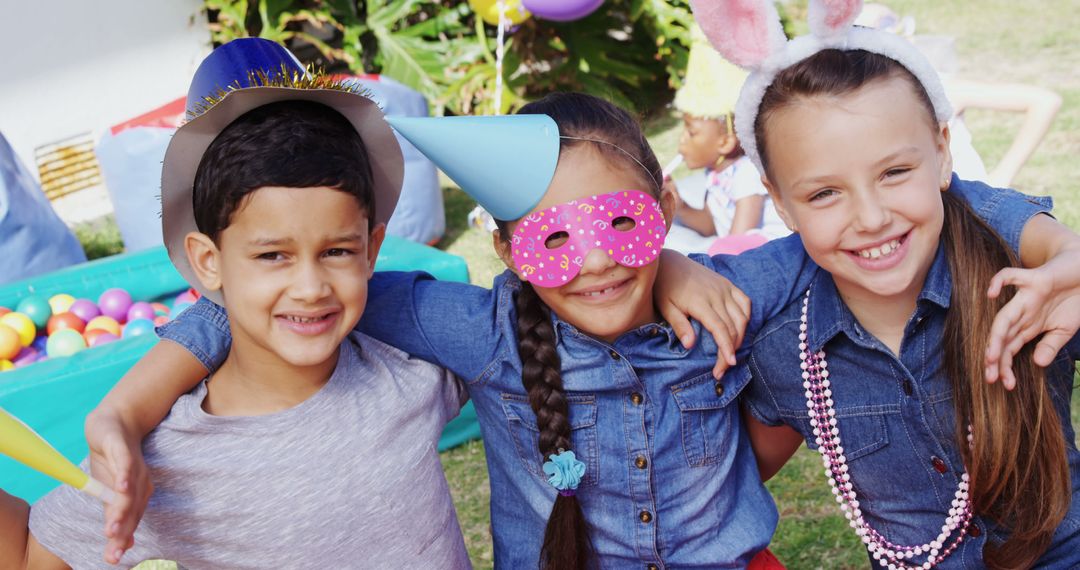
(670, 478)
(895, 413)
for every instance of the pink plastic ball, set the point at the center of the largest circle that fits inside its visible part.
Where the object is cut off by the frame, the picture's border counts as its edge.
(85, 309)
(140, 310)
(103, 338)
(115, 303)
(28, 355)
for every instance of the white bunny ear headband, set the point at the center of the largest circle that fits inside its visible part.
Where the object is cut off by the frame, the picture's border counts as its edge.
(749, 34)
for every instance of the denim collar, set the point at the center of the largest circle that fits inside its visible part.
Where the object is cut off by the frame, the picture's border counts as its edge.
(827, 315)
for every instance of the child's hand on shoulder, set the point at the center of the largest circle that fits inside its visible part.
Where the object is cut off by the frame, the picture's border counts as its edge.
(1047, 302)
(685, 289)
(116, 459)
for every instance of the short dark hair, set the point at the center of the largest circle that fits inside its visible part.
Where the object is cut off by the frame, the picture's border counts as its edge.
(291, 144)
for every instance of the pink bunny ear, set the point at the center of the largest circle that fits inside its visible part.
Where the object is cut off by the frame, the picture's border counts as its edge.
(830, 19)
(745, 32)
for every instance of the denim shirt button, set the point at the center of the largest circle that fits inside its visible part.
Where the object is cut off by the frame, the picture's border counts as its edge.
(637, 398)
(719, 390)
(938, 464)
(640, 462)
(652, 567)
(645, 516)
(908, 389)
(975, 531)
(614, 355)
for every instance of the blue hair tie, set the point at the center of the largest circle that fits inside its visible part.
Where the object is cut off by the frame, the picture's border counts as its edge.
(564, 471)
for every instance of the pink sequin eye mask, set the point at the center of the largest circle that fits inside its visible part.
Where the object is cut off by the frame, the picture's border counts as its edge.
(549, 246)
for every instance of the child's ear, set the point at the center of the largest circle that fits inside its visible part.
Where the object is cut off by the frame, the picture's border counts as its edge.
(778, 203)
(668, 203)
(728, 143)
(375, 241)
(502, 248)
(205, 258)
(943, 139)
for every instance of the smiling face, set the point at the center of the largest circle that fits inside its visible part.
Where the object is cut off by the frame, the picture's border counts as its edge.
(293, 266)
(858, 176)
(605, 299)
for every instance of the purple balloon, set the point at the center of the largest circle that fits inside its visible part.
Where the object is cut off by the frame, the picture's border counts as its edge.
(115, 303)
(141, 310)
(85, 309)
(561, 10)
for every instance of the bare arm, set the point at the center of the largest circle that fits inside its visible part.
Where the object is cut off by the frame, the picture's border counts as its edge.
(1047, 300)
(18, 549)
(1038, 104)
(773, 446)
(115, 429)
(748, 212)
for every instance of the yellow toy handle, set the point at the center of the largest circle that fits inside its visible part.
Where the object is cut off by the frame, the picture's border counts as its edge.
(24, 445)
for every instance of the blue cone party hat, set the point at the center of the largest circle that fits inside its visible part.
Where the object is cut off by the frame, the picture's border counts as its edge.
(240, 76)
(505, 162)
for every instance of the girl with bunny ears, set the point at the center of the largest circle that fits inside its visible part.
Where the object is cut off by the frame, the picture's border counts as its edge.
(932, 466)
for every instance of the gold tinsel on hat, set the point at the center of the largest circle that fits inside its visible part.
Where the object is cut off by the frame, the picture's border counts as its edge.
(289, 77)
(712, 83)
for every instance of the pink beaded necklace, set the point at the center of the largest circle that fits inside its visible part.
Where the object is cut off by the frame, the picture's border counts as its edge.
(819, 401)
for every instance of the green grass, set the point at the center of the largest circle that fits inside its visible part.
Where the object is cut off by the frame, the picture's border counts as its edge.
(997, 40)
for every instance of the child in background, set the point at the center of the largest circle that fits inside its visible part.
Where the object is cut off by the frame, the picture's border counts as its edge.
(660, 471)
(275, 200)
(932, 466)
(723, 208)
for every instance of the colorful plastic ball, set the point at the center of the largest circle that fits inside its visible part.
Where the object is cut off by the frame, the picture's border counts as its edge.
(561, 10)
(115, 303)
(28, 355)
(489, 11)
(39, 342)
(160, 320)
(92, 334)
(104, 338)
(22, 325)
(185, 297)
(138, 327)
(65, 321)
(37, 308)
(85, 309)
(160, 309)
(65, 343)
(4, 311)
(179, 308)
(10, 343)
(6, 365)
(140, 310)
(61, 303)
(105, 323)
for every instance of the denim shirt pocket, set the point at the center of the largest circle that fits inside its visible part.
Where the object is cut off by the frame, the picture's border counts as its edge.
(522, 423)
(708, 433)
(862, 428)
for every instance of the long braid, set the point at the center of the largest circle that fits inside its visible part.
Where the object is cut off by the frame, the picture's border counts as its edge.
(566, 538)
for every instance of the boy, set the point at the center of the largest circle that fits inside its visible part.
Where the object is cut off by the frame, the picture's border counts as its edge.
(311, 446)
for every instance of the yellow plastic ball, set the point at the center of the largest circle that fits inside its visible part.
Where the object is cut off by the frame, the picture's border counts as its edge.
(6, 365)
(61, 303)
(107, 324)
(22, 325)
(488, 10)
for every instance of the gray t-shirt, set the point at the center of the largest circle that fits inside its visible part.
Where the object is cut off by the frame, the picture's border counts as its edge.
(348, 478)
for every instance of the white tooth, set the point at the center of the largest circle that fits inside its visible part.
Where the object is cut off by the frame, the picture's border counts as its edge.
(875, 253)
(886, 249)
(864, 254)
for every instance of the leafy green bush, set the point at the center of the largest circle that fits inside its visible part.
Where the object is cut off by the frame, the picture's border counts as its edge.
(632, 52)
